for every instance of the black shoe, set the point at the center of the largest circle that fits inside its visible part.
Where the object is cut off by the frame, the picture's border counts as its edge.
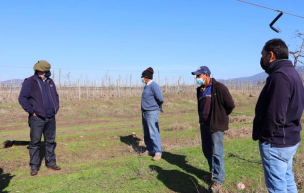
(34, 172)
(54, 167)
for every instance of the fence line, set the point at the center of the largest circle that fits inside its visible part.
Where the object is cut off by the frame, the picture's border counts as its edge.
(87, 90)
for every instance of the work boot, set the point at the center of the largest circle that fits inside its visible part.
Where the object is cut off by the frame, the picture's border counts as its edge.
(54, 167)
(34, 172)
(157, 157)
(216, 187)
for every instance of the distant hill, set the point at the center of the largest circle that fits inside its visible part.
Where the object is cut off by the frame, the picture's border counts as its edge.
(14, 82)
(257, 77)
(254, 79)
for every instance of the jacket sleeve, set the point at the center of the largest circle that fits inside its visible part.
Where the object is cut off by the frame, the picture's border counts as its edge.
(256, 129)
(24, 96)
(227, 100)
(158, 95)
(278, 94)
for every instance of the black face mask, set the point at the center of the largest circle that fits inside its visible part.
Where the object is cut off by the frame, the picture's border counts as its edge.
(263, 66)
(48, 74)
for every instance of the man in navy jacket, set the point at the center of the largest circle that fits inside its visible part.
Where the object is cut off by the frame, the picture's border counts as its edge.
(39, 98)
(277, 117)
(214, 105)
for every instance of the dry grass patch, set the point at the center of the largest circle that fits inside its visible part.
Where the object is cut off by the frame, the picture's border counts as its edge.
(240, 119)
(238, 133)
(178, 127)
(171, 145)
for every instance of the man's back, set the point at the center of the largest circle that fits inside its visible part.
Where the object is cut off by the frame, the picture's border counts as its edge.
(296, 103)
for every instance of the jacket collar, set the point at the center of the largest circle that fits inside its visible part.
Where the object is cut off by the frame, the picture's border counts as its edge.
(36, 77)
(214, 81)
(277, 64)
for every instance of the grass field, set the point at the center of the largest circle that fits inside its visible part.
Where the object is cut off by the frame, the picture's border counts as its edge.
(98, 153)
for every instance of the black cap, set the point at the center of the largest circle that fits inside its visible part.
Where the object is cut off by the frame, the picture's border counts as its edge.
(148, 73)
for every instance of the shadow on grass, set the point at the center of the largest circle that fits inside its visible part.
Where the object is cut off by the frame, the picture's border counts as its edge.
(4, 180)
(231, 155)
(180, 161)
(178, 181)
(9, 143)
(133, 141)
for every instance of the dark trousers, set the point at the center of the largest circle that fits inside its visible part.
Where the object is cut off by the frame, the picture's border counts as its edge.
(47, 127)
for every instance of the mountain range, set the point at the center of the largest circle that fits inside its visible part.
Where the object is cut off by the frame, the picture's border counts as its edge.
(255, 78)
(258, 77)
(13, 82)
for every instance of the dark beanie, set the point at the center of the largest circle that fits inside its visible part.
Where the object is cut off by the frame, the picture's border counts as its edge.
(148, 73)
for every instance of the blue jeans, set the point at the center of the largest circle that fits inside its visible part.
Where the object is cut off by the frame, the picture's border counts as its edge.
(47, 127)
(212, 145)
(277, 165)
(151, 132)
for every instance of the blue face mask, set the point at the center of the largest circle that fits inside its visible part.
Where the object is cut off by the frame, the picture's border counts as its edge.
(200, 81)
(143, 80)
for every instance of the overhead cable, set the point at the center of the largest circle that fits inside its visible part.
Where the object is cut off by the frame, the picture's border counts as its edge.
(270, 8)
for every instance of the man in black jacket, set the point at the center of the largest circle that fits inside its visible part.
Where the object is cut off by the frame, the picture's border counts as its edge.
(214, 104)
(39, 98)
(277, 117)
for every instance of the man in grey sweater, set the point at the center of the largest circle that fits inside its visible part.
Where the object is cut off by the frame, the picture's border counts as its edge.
(151, 104)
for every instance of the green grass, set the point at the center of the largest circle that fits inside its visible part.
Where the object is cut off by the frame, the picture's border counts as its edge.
(134, 173)
(98, 157)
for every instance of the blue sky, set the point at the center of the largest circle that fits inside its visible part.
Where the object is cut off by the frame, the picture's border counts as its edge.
(125, 37)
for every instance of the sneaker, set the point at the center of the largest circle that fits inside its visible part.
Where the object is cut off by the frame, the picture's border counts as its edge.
(34, 172)
(54, 167)
(146, 154)
(216, 187)
(157, 157)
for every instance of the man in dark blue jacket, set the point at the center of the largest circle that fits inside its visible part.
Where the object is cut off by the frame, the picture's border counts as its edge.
(39, 98)
(277, 117)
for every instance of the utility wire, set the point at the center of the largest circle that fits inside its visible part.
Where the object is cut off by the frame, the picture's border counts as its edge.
(74, 69)
(87, 69)
(270, 8)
